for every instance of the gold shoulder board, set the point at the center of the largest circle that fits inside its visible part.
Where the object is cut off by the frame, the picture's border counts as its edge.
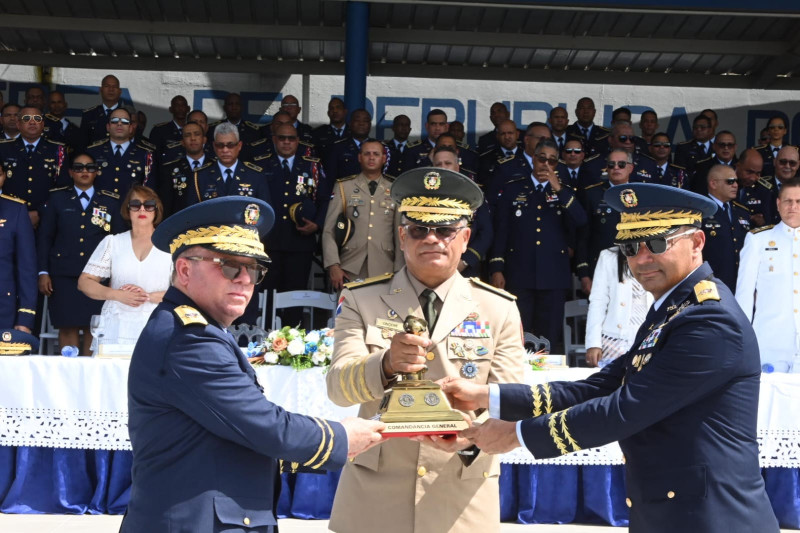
(348, 178)
(190, 316)
(173, 144)
(98, 143)
(311, 159)
(60, 189)
(505, 159)
(250, 165)
(412, 144)
(592, 186)
(369, 281)
(491, 288)
(595, 156)
(742, 206)
(762, 228)
(13, 198)
(111, 194)
(706, 290)
(765, 183)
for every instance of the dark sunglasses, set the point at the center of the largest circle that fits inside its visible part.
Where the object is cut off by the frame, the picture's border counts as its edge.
(35, 118)
(788, 162)
(286, 137)
(728, 181)
(625, 138)
(446, 233)
(80, 167)
(119, 120)
(136, 205)
(620, 164)
(229, 146)
(726, 145)
(552, 161)
(661, 145)
(656, 245)
(232, 269)
(573, 150)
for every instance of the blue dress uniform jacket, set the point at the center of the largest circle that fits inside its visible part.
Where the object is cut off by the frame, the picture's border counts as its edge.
(416, 155)
(68, 234)
(165, 133)
(55, 130)
(247, 180)
(768, 154)
(593, 170)
(682, 403)
(300, 186)
(600, 231)
(508, 169)
(18, 289)
(324, 136)
(248, 131)
(699, 179)
(135, 165)
(724, 241)
(31, 177)
(596, 135)
(489, 161)
(176, 178)
(688, 153)
(205, 439)
(479, 241)
(93, 126)
(531, 237)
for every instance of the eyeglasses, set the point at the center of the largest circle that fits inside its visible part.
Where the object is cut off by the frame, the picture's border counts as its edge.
(573, 150)
(727, 181)
(119, 120)
(661, 145)
(35, 118)
(625, 138)
(229, 146)
(656, 245)
(136, 205)
(788, 162)
(445, 233)
(232, 269)
(80, 167)
(286, 137)
(618, 164)
(726, 145)
(290, 105)
(776, 127)
(552, 161)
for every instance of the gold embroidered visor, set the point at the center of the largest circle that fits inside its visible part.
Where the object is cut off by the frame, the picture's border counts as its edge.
(431, 195)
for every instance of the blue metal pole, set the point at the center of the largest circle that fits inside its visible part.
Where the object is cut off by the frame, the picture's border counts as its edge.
(355, 55)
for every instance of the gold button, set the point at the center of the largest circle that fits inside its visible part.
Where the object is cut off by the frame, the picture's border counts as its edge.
(486, 474)
(538, 207)
(670, 495)
(82, 226)
(284, 217)
(81, 254)
(285, 205)
(628, 502)
(83, 214)
(286, 194)
(246, 521)
(372, 201)
(371, 213)
(80, 240)
(29, 191)
(369, 237)
(30, 168)
(370, 225)
(352, 459)
(538, 219)
(538, 243)
(117, 168)
(287, 183)
(538, 230)
(421, 471)
(30, 179)
(429, 356)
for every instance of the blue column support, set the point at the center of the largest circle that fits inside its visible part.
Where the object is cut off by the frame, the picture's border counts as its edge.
(356, 54)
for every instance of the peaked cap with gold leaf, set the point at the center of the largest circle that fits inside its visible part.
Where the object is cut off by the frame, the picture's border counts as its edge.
(231, 225)
(433, 196)
(648, 210)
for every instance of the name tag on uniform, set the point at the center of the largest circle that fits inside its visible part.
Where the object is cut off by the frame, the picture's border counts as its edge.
(472, 328)
(390, 325)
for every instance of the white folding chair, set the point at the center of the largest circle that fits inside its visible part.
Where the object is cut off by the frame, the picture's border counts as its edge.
(305, 299)
(575, 312)
(48, 335)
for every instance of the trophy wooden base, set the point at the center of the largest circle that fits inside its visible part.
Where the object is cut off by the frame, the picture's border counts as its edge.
(418, 407)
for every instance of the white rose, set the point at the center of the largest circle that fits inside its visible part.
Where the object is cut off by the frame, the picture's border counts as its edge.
(273, 335)
(318, 358)
(312, 337)
(325, 350)
(293, 333)
(297, 347)
(271, 358)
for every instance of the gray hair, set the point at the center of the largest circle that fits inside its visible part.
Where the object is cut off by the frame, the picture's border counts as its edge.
(226, 128)
(545, 142)
(628, 155)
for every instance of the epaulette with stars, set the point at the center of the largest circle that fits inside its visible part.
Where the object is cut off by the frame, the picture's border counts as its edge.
(762, 228)
(251, 166)
(358, 284)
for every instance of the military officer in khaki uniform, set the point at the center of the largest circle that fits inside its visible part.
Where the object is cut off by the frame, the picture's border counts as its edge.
(435, 483)
(373, 248)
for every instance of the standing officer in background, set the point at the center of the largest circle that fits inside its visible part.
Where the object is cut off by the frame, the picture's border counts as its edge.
(373, 249)
(674, 401)
(17, 264)
(755, 192)
(248, 131)
(95, 119)
(498, 113)
(291, 105)
(176, 177)
(727, 228)
(327, 134)
(416, 153)
(584, 127)
(699, 147)
(167, 132)
(205, 439)
(436, 483)
(64, 130)
(724, 146)
(121, 162)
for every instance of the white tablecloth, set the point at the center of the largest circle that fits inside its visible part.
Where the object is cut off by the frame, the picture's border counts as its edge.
(61, 402)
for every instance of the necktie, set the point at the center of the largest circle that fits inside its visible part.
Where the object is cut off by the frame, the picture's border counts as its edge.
(195, 164)
(83, 196)
(429, 308)
(585, 132)
(509, 153)
(372, 186)
(539, 187)
(286, 168)
(659, 173)
(118, 151)
(30, 148)
(775, 151)
(228, 173)
(727, 210)
(108, 113)
(574, 174)
(560, 145)
(338, 132)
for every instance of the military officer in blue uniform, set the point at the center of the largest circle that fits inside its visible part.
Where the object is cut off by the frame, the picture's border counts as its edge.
(327, 134)
(401, 128)
(507, 146)
(683, 402)
(74, 221)
(291, 105)
(168, 132)
(666, 172)
(95, 119)
(688, 153)
(227, 176)
(755, 192)
(34, 164)
(726, 229)
(530, 256)
(777, 131)
(248, 131)
(498, 112)
(175, 149)
(621, 137)
(17, 263)
(206, 441)
(416, 153)
(724, 147)
(58, 126)
(261, 149)
(121, 162)
(176, 177)
(519, 165)
(584, 127)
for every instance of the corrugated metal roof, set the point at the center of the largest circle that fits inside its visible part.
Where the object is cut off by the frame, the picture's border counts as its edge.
(513, 41)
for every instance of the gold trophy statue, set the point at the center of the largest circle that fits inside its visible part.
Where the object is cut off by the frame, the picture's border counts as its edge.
(417, 406)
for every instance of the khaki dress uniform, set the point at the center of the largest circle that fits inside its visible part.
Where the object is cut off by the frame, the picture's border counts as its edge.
(374, 248)
(401, 486)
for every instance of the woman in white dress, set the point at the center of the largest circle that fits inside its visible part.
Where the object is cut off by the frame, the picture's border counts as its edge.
(617, 307)
(138, 273)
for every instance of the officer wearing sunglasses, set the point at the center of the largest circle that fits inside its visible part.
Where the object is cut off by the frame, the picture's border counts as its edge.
(682, 403)
(473, 332)
(194, 398)
(620, 138)
(34, 164)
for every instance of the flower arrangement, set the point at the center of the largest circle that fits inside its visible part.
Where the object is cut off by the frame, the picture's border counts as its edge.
(293, 347)
(537, 360)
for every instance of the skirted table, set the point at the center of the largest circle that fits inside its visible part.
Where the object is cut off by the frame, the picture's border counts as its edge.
(64, 447)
